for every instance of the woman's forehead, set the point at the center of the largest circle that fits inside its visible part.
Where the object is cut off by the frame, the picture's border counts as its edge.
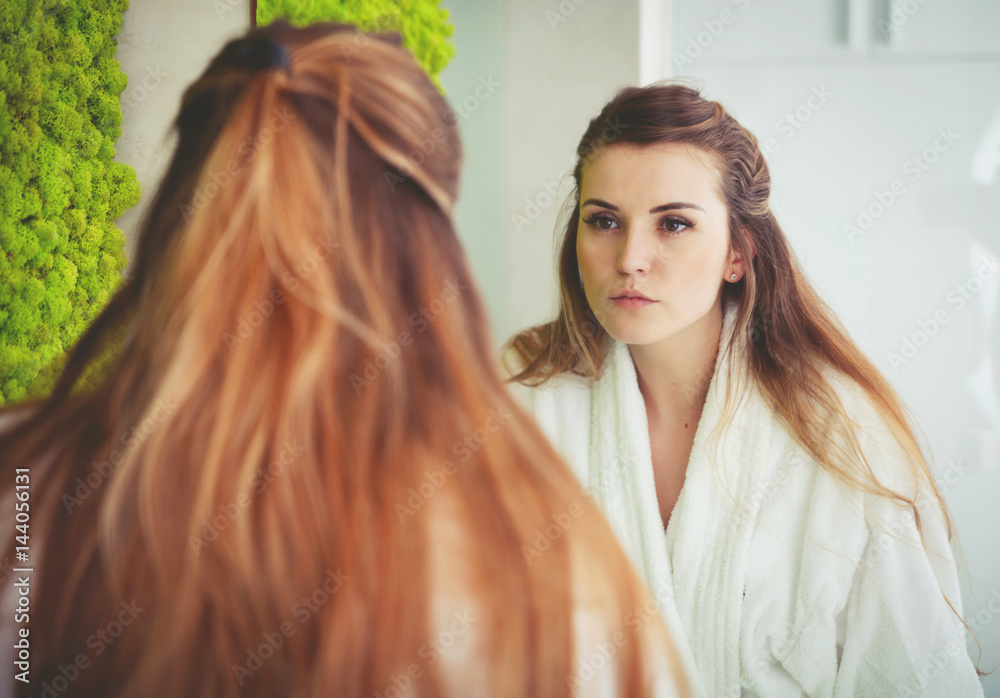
(648, 173)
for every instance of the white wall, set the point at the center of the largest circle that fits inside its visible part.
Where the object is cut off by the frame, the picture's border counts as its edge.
(552, 65)
(163, 47)
(565, 59)
(476, 85)
(526, 78)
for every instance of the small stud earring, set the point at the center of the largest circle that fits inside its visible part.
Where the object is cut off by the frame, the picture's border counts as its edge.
(733, 277)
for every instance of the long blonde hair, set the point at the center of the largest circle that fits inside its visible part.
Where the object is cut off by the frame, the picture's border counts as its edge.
(299, 375)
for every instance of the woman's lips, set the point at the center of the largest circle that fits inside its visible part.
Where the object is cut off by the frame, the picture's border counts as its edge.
(631, 302)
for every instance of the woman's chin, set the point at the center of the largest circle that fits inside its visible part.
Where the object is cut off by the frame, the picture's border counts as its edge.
(631, 333)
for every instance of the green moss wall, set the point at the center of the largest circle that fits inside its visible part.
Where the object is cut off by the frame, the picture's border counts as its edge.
(423, 24)
(61, 255)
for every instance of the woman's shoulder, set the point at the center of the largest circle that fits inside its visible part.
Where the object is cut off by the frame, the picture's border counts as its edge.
(859, 480)
(562, 409)
(564, 385)
(887, 459)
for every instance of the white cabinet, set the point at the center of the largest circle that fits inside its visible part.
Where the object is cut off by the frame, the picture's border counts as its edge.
(740, 30)
(936, 27)
(726, 32)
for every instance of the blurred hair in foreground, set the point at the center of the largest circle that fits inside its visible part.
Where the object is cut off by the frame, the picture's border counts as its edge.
(299, 462)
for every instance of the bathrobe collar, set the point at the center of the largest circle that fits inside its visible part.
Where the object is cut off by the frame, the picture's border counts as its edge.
(699, 562)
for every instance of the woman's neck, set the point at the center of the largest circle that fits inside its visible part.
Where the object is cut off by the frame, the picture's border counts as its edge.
(674, 373)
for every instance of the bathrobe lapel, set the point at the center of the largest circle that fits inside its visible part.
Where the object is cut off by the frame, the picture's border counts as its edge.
(621, 481)
(696, 569)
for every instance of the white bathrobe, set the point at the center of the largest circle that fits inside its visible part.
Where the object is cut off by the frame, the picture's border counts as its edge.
(774, 578)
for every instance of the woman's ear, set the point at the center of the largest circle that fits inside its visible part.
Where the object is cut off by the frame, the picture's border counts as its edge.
(736, 260)
(737, 264)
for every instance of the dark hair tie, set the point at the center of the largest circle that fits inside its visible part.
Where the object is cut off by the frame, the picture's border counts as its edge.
(261, 52)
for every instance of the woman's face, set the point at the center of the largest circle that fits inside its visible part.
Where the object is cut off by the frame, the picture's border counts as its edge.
(652, 224)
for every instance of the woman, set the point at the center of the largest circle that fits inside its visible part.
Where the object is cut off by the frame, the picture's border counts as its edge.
(752, 461)
(301, 474)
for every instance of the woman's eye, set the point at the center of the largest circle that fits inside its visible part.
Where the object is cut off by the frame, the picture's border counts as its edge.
(675, 225)
(601, 222)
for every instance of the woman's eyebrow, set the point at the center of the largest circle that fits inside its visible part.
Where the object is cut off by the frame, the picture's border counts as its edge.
(598, 202)
(674, 205)
(658, 209)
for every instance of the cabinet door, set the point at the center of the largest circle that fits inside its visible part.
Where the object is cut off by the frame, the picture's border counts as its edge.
(726, 32)
(712, 31)
(929, 27)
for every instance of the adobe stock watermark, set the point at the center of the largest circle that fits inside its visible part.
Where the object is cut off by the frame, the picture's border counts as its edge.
(388, 21)
(414, 159)
(134, 96)
(733, 690)
(603, 653)
(428, 145)
(484, 89)
(905, 530)
(938, 662)
(218, 180)
(224, 7)
(464, 448)
(913, 169)
(558, 14)
(421, 319)
(793, 120)
(695, 392)
(609, 135)
(130, 440)
(99, 641)
(535, 205)
(401, 684)
(302, 610)
(212, 528)
(762, 324)
(900, 13)
(766, 491)
(696, 45)
(931, 326)
(292, 279)
(608, 479)
(880, 542)
(544, 539)
(956, 470)
(986, 615)
(359, 42)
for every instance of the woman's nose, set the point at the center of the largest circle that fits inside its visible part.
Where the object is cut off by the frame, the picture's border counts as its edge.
(635, 253)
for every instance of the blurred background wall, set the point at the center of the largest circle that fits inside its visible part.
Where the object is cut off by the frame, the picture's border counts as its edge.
(881, 124)
(163, 48)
